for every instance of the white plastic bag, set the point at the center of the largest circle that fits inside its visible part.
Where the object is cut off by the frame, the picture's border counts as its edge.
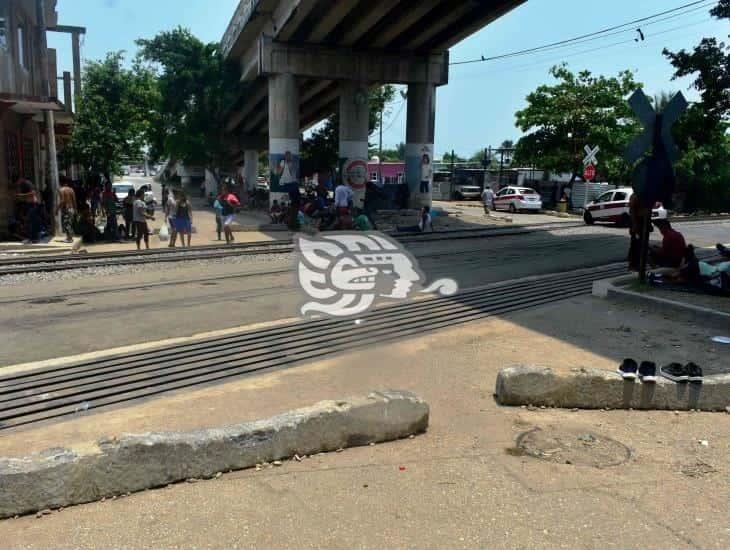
(164, 233)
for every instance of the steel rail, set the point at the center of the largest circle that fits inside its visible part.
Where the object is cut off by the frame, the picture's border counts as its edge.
(52, 392)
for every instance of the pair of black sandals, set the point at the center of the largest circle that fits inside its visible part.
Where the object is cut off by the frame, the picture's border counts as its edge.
(647, 371)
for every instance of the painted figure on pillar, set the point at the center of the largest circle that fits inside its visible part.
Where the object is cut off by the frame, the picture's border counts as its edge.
(419, 173)
(284, 173)
(426, 173)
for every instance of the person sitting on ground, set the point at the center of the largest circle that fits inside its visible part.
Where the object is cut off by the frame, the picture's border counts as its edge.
(673, 247)
(362, 222)
(275, 212)
(425, 223)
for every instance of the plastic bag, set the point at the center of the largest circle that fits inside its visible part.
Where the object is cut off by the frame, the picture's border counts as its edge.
(164, 232)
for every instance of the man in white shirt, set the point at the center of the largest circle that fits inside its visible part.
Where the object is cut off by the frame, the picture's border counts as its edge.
(343, 196)
(488, 199)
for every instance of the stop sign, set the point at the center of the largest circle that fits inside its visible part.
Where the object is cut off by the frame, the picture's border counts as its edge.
(589, 173)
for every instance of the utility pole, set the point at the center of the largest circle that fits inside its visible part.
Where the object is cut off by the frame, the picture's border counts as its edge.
(48, 113)
(380, 150)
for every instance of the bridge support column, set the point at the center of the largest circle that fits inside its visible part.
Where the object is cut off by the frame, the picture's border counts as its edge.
(354, 132)
(250, 168)
(283, 135)
(419, 143)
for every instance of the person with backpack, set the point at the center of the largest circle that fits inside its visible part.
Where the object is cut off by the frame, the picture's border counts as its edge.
(229, 202)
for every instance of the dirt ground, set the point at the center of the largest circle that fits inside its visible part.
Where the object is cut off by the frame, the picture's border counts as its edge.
(464, 483)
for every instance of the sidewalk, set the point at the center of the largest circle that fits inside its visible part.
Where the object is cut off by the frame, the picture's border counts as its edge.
(460, 485)
(249, 226)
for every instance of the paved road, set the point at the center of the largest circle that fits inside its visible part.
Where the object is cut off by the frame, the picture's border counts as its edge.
(61, 314)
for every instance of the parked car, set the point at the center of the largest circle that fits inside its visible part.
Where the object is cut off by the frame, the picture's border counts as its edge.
(516, 199)
(613, 206)
(121, 190)
(467, 192)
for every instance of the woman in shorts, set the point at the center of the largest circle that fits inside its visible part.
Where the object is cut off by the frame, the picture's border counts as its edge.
(184, 218)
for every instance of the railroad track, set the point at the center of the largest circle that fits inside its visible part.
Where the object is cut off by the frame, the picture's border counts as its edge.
(55, 392)
(63, 262)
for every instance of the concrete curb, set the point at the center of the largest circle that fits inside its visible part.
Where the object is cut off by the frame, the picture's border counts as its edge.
(129, 463)
(608, 288)
(589, 388)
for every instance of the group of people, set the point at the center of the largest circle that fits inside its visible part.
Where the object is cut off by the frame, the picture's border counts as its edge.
(315, 210)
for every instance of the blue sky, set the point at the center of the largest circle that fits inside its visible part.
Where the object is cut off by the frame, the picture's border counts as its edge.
(477, 108)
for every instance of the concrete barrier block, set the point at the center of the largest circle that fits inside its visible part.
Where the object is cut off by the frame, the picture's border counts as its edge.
(590, 388)
(129, 463)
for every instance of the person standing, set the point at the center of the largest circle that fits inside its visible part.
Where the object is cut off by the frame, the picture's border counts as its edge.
(139, 218)
(183, 218)
(128, 214)
(67, 208)
(218, 207)
(487, 199)
(170, 209)
(95, 198)
(229, 202)
(109, 205)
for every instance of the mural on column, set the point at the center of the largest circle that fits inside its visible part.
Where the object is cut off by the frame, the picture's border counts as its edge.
(354, 168)
(283, 167)
(419, 171)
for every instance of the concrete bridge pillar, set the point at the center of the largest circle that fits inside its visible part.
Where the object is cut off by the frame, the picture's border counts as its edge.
(354, 132)
(419, 143)
(283, 135)
(250, 168)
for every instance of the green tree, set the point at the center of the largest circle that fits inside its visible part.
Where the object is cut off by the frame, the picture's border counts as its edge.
(703, 171)
(580, 109)
(114, 114)
(452, 157)
(321, 149)
(197, 86)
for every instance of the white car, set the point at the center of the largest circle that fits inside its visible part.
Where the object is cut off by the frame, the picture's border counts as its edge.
(515, 199)
(613, 206)
(121, 190)
(467, 192)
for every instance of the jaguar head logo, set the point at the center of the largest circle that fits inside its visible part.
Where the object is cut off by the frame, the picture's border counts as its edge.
(345, 274)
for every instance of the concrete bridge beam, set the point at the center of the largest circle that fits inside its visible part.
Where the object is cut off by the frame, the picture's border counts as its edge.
(335, 63)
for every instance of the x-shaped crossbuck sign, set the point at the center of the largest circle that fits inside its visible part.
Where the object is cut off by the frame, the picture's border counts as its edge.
(645, 112)
(590, 157)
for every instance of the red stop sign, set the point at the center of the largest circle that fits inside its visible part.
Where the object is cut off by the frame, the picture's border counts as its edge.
(589, 173)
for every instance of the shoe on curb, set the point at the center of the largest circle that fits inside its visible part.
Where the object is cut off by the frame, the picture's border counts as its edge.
(694, 372)
(675, 372)
(627, 369)
(647, 371)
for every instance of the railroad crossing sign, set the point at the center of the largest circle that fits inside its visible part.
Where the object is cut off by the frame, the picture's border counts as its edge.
(590, 157)
(589, 173)
(654, 176)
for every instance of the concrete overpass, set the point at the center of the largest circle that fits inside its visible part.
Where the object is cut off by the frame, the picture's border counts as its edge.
(302, 60)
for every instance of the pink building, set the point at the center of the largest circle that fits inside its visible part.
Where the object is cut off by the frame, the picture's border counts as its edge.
(393, 172)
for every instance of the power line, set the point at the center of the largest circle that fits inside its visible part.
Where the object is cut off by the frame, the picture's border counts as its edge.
(395, 118)
(552, 61)
(592, 35)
